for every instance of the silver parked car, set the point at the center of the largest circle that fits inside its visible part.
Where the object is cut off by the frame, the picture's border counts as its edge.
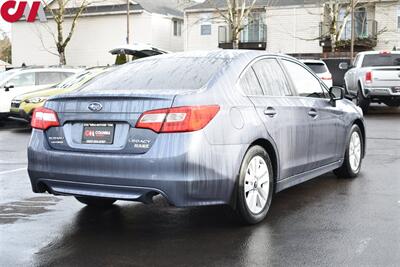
(198, 128)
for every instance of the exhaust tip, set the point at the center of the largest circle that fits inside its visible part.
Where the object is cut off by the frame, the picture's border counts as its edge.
(42, 188)
(148, 197)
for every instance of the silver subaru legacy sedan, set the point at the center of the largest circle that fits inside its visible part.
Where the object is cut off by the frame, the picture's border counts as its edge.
(198, 128)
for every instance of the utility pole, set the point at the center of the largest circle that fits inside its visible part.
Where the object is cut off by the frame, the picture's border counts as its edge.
(127, 27)
(352, 31)
(127, 21)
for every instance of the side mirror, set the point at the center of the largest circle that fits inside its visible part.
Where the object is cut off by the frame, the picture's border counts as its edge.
(336, 93)
(7, 87)
(344, 66)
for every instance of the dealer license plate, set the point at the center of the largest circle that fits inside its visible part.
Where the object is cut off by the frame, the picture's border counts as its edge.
(98, 133)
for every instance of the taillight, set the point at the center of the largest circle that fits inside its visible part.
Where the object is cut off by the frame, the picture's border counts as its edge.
(327, 77)
(44, 118)
(178, 119)
(385, 53)
(368, 77)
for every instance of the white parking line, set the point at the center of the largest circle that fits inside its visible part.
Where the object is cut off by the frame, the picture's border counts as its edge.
(11, 171)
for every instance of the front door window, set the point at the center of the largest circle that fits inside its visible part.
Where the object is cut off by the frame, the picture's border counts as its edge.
(23, 79)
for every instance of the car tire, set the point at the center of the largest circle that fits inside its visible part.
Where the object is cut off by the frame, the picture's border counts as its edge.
(354, 153)
(2, 120)
(99, 202)
(392, 103)
(255, 186)
(362, 101)
(346, 90)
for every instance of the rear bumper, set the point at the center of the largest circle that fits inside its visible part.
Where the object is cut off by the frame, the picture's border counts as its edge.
(382, 92)
(184, 168)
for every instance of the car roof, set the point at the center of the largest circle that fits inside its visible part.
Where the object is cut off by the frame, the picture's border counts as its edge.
(220, 53)
(50, 69)
(45, 69)
(378, 52)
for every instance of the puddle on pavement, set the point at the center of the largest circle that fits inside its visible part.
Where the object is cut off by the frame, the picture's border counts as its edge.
(23, 209)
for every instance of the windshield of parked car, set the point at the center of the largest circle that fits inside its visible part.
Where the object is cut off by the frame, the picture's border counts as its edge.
(381, 60)
(317, 67)
(171, 73)
(73, 80)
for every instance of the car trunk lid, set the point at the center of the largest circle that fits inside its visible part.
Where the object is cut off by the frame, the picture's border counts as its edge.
(104, 122)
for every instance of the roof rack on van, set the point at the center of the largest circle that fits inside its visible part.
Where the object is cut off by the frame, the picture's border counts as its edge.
(96, 67)
(32, 67)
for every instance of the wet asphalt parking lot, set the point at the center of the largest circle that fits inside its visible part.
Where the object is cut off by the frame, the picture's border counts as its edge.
(325, 221)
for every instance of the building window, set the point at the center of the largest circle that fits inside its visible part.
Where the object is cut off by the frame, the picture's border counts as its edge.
(222, 34)
(398, 18)
(177, 28)
(205, 29)
(255, 29)
(361, 23)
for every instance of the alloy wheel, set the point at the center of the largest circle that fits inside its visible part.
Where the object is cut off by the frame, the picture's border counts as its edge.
(256, 185)
(355, 151)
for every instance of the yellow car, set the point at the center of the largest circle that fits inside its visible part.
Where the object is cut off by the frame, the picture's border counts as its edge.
(22, 106)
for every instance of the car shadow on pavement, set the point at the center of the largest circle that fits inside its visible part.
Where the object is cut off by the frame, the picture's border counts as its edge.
(157, 234)
(15, 126)
(376, 109)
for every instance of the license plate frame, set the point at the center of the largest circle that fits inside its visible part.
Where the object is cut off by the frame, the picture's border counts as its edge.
(98, 133)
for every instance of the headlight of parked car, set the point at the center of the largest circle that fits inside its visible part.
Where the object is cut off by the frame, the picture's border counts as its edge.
(36, 100)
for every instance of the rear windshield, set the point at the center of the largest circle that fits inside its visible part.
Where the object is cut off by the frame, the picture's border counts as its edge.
(380, 60)
(317, 67)
(159, 74)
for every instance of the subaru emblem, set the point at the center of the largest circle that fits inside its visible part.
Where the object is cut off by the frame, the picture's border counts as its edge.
(95, 106)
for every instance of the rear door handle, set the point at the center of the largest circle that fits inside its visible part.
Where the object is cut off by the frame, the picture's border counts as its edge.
(312, 113)
(270, 111)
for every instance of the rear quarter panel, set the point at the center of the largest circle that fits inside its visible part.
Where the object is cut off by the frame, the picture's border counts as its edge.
(237, 123)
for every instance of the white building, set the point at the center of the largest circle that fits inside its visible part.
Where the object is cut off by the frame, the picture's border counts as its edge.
(387, 14)
(102, 27)
(289, 26)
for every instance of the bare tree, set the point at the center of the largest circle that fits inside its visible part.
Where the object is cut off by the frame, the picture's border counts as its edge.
(237, 14)
(59, 14)
(5, 47)
(337, 13)
(332, 12)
